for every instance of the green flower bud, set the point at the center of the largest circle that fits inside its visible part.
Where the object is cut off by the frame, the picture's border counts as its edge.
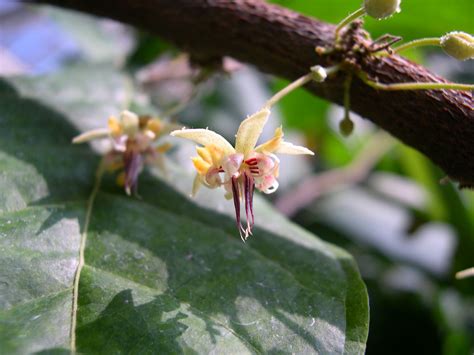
(346, 126)
(381, 9)
(459, 45)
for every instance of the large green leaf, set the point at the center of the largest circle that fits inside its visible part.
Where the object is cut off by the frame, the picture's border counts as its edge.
(162, 274)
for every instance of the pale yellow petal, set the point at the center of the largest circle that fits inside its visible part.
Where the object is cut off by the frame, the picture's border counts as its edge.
(205, 137)
(90, 135)
(196, 184)
(205, 154)
(169, 127)
(201, 166)
(216, 154)
(289, 148)
(250, 130)
(271, 145)
(114, 127)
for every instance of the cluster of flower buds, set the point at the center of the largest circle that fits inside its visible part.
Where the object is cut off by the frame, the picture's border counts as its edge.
(133, 140)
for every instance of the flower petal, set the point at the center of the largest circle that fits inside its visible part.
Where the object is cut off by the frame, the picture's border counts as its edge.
(90, 135)
(204, 154)
(271, 145)
(213, 179)
(250, 130)
(196, 184)
(200, 165)
(290, 148)
(205, 137)
(231, 164)
(268, 184)
(216, 153)
(115, 128)
(259, 164)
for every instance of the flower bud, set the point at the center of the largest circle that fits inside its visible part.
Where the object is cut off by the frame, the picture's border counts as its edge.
(346, 126)
(381, 9)
(319, 73)
(130, 123)
(459, 45)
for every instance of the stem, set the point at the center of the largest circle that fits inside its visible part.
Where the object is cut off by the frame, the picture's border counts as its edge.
(465, 273)
(417, 43)
(295, 85)
(347, 95)
(414, 85)
(420, 86)
(354, 16)
(287, 89)
(90, 135)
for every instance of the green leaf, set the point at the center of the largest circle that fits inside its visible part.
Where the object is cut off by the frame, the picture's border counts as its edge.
(162, 273)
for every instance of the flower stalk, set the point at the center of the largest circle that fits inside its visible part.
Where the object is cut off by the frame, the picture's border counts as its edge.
(414, 85)
(434, 41)
(378, 9)
(465, 273)
(346, 126)
(317, 74)
(349, 19)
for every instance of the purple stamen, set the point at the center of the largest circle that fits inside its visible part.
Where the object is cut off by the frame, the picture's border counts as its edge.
(248, 195)
(252, 189)
(132, 164)
(236, 196)
(246, 198)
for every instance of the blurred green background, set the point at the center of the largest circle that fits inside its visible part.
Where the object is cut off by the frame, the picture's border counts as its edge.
(408, 233)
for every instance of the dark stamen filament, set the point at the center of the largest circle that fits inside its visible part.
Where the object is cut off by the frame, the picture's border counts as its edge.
(132, 161)
(236, 196)
(248, 194)
(252, 188)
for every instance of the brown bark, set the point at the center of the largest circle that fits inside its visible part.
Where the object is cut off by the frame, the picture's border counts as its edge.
(438, 123)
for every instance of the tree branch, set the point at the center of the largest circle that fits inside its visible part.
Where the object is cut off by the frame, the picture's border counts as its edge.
(439, 123)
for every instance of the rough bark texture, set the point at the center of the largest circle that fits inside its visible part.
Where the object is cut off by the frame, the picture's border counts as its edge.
(439, 123)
